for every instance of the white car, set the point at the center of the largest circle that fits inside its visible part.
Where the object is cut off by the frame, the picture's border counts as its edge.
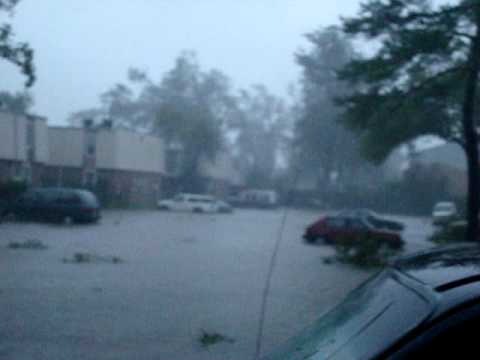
(444, 212)
(190, 203)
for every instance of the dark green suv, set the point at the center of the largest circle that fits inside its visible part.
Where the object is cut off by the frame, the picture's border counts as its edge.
(55, 204)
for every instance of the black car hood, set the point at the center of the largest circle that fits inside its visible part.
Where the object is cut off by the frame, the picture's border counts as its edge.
(441, 266)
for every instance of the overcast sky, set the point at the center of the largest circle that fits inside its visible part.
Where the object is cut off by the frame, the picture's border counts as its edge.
(84, 47)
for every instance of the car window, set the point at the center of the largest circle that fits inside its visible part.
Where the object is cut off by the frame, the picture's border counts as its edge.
(48, 196)
(357, 224)
(68, 198)
(336, 222)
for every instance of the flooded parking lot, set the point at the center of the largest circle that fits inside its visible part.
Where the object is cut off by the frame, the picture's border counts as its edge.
(177, 277)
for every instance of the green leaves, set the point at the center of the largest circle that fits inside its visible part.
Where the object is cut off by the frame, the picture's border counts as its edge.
(17, 103)
(412, 86)
(19, 54)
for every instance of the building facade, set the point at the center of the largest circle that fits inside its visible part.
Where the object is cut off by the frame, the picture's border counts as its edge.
(23, 147)
(124, 168)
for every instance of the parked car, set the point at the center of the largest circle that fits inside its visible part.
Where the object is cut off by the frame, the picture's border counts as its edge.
(424, 306)
(332, 228)
(190, 203)
(444, 212)
(265, 199)
(55, 204)
(375, 219)
(224, 207)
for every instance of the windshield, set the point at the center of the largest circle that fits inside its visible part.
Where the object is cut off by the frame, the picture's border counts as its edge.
(186, 179)
(444, 207)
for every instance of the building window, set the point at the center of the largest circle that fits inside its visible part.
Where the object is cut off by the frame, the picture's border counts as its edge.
(30, 140)
(91, 143)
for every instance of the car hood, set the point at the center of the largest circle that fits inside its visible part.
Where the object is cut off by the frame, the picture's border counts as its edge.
(341, 333)
(443, 213)
(443, 265)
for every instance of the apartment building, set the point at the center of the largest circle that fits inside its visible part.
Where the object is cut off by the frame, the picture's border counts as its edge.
(23, 147)
(123, 167)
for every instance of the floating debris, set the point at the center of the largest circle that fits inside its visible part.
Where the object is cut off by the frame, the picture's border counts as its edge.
(30, 244)
(208, 339)
(87, 258)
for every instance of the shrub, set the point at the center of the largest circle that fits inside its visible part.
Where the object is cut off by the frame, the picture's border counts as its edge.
(451, 233)
(367, 250)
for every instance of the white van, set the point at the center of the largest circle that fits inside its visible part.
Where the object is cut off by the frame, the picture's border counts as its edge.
(190, 203)
(444, 212)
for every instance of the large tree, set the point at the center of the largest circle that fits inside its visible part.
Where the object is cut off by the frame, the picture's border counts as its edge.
(259, 129)
(188, 107)
(323, 145)
(17, 103)
(422, 80)
(19, 54)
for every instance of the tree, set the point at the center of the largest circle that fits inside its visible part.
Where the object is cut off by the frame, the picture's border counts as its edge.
(259, 127)
(18, 103)
(19, 54)
(189, 108)
(324, 145)
(422, 80)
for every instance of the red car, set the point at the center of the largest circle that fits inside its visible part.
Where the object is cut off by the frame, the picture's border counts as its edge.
(331, 228)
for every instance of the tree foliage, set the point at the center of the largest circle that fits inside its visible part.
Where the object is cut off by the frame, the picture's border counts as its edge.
(188, 107)
(422, 80)
(413, 85)
(323, 144)
(260, 128)
(17, 103)
(18, 53)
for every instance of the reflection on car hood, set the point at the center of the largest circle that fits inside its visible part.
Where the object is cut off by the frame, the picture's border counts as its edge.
(442, 265)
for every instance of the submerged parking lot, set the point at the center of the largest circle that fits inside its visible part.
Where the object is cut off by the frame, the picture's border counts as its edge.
(152, 284)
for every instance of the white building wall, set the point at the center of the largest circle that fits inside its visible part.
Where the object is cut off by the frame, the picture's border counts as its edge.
(66, 146)
(12, 137)
(106, 149)
(137, 152)
(41, 140)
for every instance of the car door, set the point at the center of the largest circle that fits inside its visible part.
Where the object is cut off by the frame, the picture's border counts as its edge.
(67, 204)
(336, 227)
(178, 203)
(357, 228)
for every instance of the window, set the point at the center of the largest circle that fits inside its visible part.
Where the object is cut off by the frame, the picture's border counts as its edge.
(357, 224)
(91, 143)
(336, 222)
(68, 198)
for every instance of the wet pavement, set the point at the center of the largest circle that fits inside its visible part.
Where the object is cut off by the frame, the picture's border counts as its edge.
(180, 275)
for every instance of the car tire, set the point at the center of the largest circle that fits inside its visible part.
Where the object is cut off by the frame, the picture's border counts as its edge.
(163, 208)
(198, 210)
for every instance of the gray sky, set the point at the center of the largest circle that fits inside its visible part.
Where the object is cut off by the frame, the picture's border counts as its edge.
(84, 47)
